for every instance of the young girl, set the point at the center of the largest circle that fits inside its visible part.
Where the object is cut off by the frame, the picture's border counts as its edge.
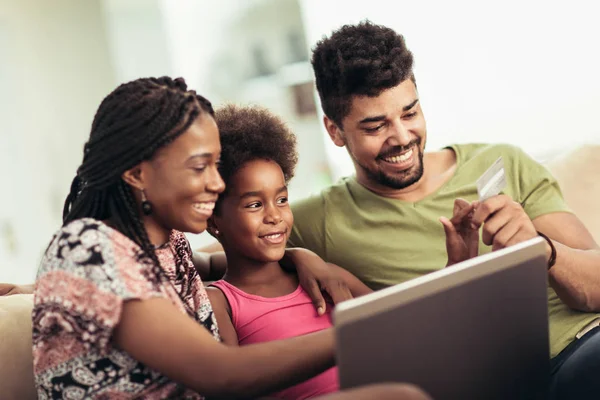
(119, 310)
(257, 300)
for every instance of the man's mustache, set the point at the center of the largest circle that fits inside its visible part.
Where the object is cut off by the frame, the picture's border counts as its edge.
(399, 149)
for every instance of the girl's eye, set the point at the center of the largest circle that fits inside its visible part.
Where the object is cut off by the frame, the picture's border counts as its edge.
(282, 200)
(253, 205)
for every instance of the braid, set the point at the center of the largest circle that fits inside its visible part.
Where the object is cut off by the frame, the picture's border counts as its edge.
(131, 124)
(137, 229)
(73, 193)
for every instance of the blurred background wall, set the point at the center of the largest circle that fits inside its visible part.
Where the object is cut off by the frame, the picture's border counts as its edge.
(521, 72)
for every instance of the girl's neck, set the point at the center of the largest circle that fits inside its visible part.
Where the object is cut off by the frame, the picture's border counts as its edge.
(251, 275)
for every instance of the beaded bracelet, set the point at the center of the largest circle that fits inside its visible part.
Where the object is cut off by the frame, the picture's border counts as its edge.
(552, 259)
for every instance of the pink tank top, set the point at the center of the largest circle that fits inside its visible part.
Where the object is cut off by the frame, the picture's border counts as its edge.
(259, 319)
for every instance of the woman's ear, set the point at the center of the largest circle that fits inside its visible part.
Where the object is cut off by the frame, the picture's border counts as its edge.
(134, 177)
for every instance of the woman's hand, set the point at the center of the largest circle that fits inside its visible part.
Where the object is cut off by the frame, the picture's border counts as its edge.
(316, 277)
(462, 241)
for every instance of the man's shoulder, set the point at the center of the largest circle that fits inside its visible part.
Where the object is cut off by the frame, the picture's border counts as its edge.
(475, 151)
(312, 213)
(316, 201)
(477, 157)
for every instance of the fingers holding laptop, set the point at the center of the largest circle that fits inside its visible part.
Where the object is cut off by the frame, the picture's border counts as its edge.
(504, 222)
(462, 239)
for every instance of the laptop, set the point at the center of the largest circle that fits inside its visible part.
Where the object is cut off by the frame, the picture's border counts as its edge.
(476, 330)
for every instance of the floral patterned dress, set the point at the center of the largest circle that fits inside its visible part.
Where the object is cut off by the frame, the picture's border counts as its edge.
(86, 274)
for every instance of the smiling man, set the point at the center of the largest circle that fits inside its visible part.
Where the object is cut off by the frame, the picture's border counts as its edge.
(383, 224)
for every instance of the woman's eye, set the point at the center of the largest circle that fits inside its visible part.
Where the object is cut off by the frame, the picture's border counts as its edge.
(200, 168)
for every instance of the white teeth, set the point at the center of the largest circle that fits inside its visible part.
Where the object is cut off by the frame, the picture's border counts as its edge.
(400, 158)
(205, 206)
(275, 236)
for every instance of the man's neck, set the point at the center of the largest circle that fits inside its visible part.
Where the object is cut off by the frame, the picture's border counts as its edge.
(438, 168)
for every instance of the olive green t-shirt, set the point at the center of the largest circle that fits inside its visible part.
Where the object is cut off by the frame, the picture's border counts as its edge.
(385, 241)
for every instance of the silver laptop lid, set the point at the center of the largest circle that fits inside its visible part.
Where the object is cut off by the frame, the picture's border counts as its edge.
(478, 329)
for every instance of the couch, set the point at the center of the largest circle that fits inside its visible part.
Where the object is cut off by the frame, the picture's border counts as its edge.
(575, 172)
(16, 373)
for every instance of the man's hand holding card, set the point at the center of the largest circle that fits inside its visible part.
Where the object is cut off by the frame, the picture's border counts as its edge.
(504, 221)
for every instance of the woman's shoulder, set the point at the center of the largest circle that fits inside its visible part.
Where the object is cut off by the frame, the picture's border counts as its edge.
(88, 255)
(92, 230)
(86, 242)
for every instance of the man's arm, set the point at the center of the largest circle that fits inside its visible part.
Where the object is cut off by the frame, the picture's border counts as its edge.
(356, 286)
(576, 274)
(315, 274)
(210, 266)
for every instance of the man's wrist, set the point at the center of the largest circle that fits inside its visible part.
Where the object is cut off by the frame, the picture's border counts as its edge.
(550, 250)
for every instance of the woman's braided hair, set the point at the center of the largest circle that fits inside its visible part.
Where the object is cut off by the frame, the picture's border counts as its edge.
(131, 124)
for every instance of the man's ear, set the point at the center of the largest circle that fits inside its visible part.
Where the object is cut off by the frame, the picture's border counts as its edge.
(134, 177)
(335, 133)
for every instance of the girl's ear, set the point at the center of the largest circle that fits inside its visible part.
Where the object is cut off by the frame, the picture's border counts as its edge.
(213, 229)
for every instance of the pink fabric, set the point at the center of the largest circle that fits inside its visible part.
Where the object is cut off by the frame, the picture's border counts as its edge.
(259, 319)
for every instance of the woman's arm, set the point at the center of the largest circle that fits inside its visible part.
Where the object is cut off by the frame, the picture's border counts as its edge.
(222, 311)
(7, 289)
(157, 334)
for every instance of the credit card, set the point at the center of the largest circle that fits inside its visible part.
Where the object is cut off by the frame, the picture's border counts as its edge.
(493, 181)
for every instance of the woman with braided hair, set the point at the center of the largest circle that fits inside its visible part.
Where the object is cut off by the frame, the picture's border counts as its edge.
(119, 309)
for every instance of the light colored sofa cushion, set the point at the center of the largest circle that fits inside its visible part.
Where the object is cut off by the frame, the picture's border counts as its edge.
(16, 360)
(576, 172)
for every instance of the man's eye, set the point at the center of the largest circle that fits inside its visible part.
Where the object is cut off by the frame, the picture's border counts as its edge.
(375, 129)
(410, 115)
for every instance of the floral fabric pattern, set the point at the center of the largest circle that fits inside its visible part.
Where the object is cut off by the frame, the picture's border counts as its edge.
(86, 274)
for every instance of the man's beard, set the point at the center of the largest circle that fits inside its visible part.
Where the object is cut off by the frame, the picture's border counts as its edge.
(402, 179)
